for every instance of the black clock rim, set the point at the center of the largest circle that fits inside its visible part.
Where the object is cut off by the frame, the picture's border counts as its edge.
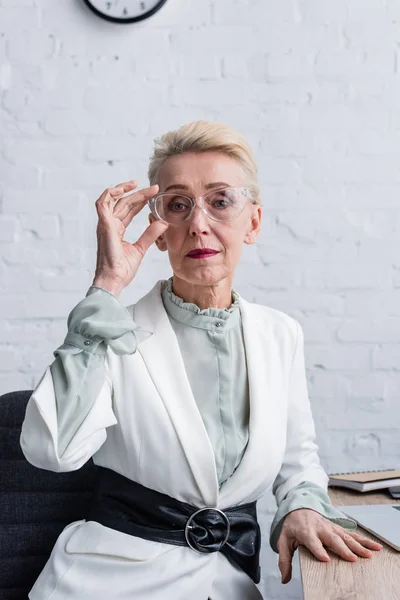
(145, 15)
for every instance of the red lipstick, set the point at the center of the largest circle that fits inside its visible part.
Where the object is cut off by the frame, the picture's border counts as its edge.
(202, 253)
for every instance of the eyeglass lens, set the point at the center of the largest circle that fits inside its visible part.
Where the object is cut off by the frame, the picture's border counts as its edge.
(221, 205)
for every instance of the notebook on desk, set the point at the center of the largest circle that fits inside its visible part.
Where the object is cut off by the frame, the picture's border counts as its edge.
(383, 520)
(366, 481)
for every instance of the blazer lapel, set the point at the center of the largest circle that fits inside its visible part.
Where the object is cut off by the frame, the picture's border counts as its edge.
(160, 351)
(262, 455)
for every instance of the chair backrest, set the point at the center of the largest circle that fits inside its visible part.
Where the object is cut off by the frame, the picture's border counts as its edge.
(35, 505)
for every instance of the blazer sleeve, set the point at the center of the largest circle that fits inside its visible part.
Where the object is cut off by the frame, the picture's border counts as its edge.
(301, 461)
(301, 481)
(71, 406)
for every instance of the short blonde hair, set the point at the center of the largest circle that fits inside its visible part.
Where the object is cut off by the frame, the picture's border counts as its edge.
(205, 136)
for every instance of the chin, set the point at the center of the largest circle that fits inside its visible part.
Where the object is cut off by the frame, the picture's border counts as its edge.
(203, 275)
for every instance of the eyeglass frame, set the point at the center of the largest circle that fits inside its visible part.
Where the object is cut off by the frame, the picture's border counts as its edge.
(152, 203)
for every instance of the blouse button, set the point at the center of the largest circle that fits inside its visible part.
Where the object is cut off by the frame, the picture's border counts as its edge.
(87, 343)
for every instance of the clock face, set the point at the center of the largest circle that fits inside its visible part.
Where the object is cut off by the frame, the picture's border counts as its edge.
(125, 11)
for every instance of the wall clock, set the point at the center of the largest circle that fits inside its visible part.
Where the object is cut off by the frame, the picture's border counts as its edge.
(124, 11)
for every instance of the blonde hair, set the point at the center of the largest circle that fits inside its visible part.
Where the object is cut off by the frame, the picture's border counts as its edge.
(205, 136)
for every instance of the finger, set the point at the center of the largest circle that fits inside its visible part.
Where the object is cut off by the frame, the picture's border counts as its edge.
(356, 547)
(360, 545)
(134, 201)
(118, 190)
(285, 559)
(314, 544)
(149, 236)
(105, 203)
(337, 544)
(126, 186)
(367, 542)
(130, 205)
(129, 210)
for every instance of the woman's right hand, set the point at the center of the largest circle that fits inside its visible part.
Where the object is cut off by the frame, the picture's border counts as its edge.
(118, 261)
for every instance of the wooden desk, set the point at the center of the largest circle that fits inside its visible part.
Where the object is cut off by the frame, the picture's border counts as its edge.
(375, 578)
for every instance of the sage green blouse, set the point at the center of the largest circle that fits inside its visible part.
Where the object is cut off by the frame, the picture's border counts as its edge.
(216, 371)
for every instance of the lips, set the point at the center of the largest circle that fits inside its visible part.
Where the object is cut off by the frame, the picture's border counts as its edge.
(202, 252)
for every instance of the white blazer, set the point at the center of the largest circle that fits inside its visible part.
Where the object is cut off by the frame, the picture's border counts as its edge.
(145, 424)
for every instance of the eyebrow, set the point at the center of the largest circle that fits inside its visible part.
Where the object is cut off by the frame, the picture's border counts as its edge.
(180, 186)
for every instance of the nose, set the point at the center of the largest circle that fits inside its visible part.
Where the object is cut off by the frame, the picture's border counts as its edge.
(198, 222)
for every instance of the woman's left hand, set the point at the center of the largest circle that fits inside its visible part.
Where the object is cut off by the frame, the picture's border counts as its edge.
(306, 527)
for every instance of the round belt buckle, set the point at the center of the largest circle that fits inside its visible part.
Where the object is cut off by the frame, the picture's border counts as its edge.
(189, 526)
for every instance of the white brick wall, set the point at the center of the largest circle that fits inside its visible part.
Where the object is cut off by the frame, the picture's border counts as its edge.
(314, 86)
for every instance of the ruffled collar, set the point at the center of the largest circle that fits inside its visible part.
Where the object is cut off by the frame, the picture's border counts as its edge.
(191, 314)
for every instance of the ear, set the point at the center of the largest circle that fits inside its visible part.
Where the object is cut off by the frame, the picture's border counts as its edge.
(255, 226)
(160, 241)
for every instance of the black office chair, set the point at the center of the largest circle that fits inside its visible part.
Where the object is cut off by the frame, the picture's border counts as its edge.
(35, 505)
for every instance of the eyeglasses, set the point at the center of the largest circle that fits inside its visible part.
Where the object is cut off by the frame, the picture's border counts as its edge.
(224, 204)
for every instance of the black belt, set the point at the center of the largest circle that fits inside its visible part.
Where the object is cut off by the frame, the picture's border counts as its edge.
(129, 507)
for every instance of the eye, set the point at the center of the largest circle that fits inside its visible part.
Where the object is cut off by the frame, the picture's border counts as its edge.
(178, 204)
(222, 199)
(222, 203)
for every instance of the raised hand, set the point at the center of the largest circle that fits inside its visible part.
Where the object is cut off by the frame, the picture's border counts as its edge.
(118, 261)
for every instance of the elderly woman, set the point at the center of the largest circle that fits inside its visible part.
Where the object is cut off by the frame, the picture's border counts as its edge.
(193, 401)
